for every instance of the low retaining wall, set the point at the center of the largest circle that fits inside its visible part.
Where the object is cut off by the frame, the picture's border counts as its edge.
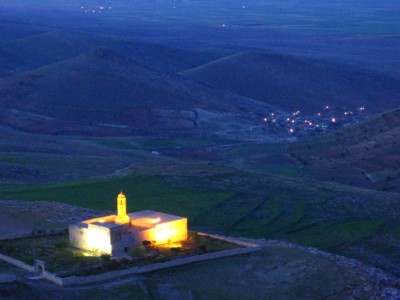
(53, 278)
(30, 235)
(234, 241)
(75, 280)
(17, 263)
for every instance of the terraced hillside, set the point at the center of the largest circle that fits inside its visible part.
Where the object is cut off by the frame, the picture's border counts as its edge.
(365, 154)
(354, 222)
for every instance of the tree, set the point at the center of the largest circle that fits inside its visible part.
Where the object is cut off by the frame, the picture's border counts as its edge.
(147, 244)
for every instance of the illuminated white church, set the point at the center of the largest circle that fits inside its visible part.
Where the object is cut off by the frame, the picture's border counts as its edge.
(119, 234)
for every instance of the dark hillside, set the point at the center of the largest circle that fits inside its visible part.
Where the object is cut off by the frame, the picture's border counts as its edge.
(108, 89)
(299, 83)
(365, 154)
(36, 51)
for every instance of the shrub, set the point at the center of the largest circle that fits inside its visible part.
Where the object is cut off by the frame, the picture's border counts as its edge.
(147, 244)
(105, 258)
(138, 252)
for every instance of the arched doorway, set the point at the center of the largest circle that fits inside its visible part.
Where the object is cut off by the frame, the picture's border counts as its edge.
(40, 266)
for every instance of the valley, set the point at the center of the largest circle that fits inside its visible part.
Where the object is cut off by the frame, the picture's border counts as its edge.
(252, 122)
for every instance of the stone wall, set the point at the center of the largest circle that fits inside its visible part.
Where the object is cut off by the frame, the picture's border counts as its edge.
(17, 263)
(31, 234)
(235, 241)
(75, 280)
(52, 278)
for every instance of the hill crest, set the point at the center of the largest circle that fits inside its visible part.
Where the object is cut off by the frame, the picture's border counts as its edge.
(295, 83)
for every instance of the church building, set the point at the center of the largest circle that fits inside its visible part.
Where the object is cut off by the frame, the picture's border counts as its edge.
(119, 234)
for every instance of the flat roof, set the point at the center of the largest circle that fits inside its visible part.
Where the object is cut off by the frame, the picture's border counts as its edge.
(106, 224)
(80, 225)
(152, 217)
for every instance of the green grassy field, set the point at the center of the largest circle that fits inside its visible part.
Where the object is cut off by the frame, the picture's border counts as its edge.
(143, 192)
(160, 144)
(329, 217)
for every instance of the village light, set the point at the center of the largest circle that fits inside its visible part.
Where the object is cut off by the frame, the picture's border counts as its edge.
(333, 120)
(291, 130)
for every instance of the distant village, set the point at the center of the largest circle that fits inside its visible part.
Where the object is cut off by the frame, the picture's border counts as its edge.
(298, 124)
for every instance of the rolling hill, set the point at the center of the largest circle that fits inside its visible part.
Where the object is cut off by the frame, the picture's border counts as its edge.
(38, 50)
(103, 88)
(299, 83)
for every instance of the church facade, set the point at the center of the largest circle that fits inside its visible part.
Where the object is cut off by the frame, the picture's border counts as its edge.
(118, 234)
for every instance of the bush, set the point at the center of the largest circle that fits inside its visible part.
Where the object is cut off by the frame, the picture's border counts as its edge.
(193, 235)
(147, 244)
(138, 252)
(105, 258)
(61, 245)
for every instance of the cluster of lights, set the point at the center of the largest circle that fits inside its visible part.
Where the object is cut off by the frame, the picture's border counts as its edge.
(94, 11)
(310, 123)
(292, 120)
(273, 120)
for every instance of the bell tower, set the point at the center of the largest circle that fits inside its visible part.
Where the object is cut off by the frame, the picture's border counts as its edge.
(121, 217)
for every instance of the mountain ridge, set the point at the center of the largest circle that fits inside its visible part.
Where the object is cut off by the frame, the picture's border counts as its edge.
(105, 87)
(295, 83)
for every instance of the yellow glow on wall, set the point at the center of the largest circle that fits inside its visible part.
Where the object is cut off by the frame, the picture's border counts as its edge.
(170, 232)
(110, 218)
(157, 220)
(98, 240)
